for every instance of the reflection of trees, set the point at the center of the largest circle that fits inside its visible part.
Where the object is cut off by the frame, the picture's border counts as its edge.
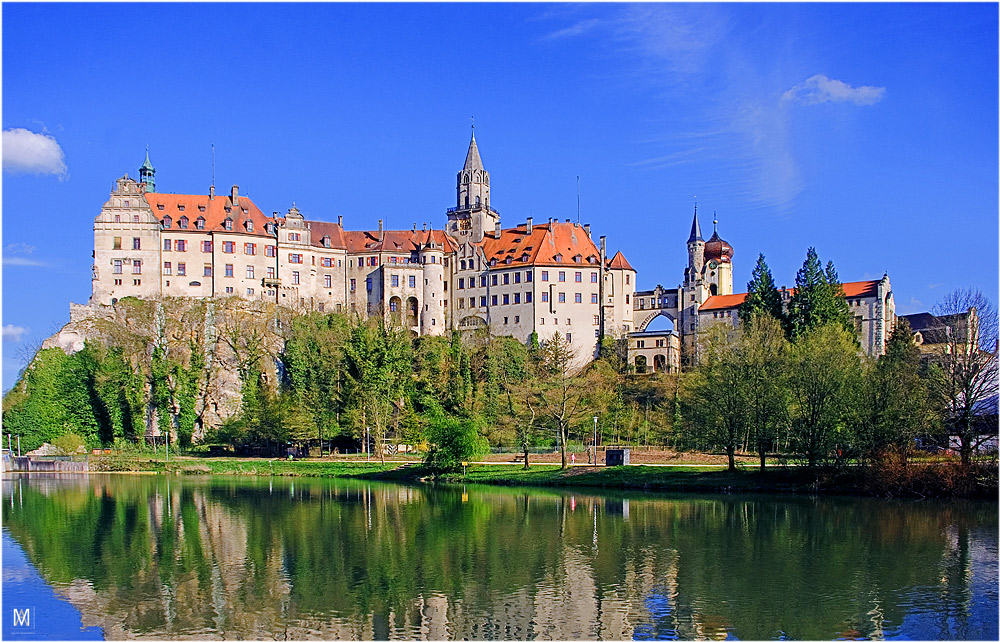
(269, 557)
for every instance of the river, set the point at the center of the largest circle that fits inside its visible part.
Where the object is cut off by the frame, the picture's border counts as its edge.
(282, 558)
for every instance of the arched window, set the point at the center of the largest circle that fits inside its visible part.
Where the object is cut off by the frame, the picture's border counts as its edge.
(477, 201)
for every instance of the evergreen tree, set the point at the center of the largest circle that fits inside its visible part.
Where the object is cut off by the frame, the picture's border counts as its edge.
(818, 299)
(762, 295)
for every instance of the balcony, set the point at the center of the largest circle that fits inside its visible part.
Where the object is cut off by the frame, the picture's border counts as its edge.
(472, 208)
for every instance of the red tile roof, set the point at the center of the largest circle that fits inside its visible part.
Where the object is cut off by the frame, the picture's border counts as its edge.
(322, 229)
(853, 290)
(397, 241)
(619, 262)
(215, 212)
(542, 247)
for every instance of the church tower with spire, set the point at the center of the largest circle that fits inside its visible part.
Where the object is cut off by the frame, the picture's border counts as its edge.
(147, 173)
(472, 215)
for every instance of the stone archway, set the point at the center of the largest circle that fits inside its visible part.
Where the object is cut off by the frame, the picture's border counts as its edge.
(660, 363)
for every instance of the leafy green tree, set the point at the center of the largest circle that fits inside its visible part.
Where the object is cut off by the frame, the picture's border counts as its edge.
(762, 354)
(762, 295)
(453, 441)
(717, 415)
(313, 358)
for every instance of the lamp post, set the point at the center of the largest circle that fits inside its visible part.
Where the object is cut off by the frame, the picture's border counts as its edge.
(595, 440)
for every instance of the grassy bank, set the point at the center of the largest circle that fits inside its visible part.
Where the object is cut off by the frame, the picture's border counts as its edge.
(227, 466)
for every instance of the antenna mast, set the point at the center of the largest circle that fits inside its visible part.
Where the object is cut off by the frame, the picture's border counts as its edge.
(577, 200)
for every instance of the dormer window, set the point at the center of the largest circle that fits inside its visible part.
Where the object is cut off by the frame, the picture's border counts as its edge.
(200, 223)
(577, 259)
(228, 209)
(249, 225)
(180, 208)
(524, 258)
(493, 262)
(557, 258)
(182, 222)
(201, 208)
(228, 223)
(245, 210)
(507, 260)
(159, 206)
(166, 222)
(326, 241)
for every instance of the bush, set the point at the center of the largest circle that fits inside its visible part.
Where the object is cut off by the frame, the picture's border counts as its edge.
(453, 441)
(69, 444)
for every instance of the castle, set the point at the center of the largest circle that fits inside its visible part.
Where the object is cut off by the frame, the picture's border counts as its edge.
(531, 278)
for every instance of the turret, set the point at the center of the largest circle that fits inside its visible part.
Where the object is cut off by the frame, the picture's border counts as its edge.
(472, 215)
(147, 175)
(696, 250)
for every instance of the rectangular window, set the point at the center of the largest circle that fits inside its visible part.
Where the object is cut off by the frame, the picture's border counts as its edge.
(411, 281)
(577, 298)
(472, 301)
(493, 300)
(562, 297)
(136, 244)
(494, 279)
(527, 297)
(354, 284)
(294, 258)
(229, 290)
(166, 245)
(578, 277)
(482, 281)
(250, 293)
(293, 236)
(228, 247)
(562, 276)
(208, 270)
(295, 278)
(461, 304)
(361, 261)
(517, 298)
(270, 250)
(117, 269)
(593, 277)
(517, 277)
(569, 338)
(327, 262)
(597, 320)
(506, 279)
(506, 299)
(593, 298)
(461, 284)
(395, 280)
(181, 246)
(527, 276)
(181, 269)
(626, 299)
(626, 279)
(117, 244)
(368, 283)
(270, 272)
(136, 266)
(545, 297)
(250, 248)
(482, 302)
(167, 268)
(327, 281)
(229, 269)
(206, 246)
(249, 271)
(545, 275)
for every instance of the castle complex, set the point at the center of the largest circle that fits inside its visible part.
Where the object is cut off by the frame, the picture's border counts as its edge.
(542, 278)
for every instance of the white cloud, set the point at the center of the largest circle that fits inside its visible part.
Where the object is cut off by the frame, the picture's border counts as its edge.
(19, 248)
(820, 89)
(18, 261)
(25, 152)
(577, 29)
(13, 332)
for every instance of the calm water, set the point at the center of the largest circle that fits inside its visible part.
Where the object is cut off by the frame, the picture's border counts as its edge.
(262, 559)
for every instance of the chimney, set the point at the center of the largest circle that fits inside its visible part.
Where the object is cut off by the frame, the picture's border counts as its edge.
(414, 227)
(497, 235)
(340, 221)
(550, 222)
(567, 220)
(529, 225)
(236, 195)
(425, 227)
(381, 234)
(586, 228)
(211, 193)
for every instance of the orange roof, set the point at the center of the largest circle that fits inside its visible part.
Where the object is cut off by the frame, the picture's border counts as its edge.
(322, 229)
(619, 262)
(396, 241)
(853, 290)
(214, 212)
(558, 244)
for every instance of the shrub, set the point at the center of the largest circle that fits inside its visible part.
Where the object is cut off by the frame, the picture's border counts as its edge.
(453, 441)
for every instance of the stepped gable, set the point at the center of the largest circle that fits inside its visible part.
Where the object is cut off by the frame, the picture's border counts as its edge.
(321, 229)
(542, 247)
(214, 214)
(619, 262)
(853, 290)
(361, 242)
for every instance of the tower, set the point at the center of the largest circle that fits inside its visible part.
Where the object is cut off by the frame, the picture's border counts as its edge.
(696, 252)
(147, 173)
(472, 214)
(718, 271)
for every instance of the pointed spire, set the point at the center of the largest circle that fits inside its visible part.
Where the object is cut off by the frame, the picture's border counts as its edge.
(146, 164)
(472, 159)
(715, 224)
(695, 228)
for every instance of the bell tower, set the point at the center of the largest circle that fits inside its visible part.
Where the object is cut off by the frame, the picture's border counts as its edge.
(472, 214)
(147, 173)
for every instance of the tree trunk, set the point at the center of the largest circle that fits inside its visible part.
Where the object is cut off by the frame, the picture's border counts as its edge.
(562, 445)
(731, 453)
(525, 455)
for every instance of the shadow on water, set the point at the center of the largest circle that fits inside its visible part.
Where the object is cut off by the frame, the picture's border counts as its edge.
(313, 558)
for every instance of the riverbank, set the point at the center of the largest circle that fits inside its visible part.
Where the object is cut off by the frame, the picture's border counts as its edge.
(918, 480)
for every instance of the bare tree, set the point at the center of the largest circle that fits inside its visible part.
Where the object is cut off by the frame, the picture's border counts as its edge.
(967, 366)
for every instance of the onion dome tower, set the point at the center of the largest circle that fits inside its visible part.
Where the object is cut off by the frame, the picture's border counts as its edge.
(718, 263)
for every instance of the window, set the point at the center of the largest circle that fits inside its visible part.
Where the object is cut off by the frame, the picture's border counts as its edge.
(228, 247)
(569, 338)
(136, 266)
(136, 244)
(327, 262)
(135, 219)
(472, 301)
(208, 270)
(181, 245)
(545, 275)
(482, 302)
(541, 322)
(295, 278)
(229, 269)
(506, 279)
(506, 299)
(206, 246)
(593, 277)
(181, 269)
(395, 280)
(270, 272)
(167, 269)
(517, 277)
(463, 264)
(137, 281)
(626, 299)
(505, 320)
(229, 290)
(527, 277)
(182, 222)
(270, 250)
(117, 243)
(368, 283)
(527, 297)
(494, 279)
(250, 229)
(577, 298)
(493, 300)
(160, 206)
(593, 298)
(597, 320)
(517, 298)
(250, 272)
(562, 276)
(118, 281)
(411, 281)
(558, 258)
(545, 297)
(167, 221)
(250, 293)
(461, 284)
(461, 304)
(562, 297)
(578, 277)
(166, 245)
(117, 269)
(626, 279)
(482, 281)
(354, 284)
(250, 249)
(327, 281)
(200, 223)
(361, 261)
(294, 258)
(118, 218)
(228, 223)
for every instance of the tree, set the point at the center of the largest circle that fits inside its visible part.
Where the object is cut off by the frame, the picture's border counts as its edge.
(453, 441)
(762, 356)
(967, 367)
(818, 298)
(762, 295)
(718, 415)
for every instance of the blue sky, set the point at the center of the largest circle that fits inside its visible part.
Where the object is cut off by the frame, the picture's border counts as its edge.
(866, 130)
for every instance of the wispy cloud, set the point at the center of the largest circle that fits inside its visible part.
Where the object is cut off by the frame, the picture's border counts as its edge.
(20, 261)
(820, 89)
(26, 152)
(14, 332)
(19, 248)
(581, 27)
